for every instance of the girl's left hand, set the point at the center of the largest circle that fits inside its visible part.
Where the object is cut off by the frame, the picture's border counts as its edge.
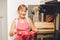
(35, 30)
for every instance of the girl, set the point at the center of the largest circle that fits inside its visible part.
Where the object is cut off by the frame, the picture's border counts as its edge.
(21, 26)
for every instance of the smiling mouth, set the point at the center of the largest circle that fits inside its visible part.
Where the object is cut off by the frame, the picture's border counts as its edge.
(23, 14)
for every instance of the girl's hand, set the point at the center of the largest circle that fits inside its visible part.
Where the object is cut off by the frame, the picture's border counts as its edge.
(35, 30)
(32, 33)
(11, 34)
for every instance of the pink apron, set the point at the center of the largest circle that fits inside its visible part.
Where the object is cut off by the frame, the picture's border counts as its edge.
(24, 28)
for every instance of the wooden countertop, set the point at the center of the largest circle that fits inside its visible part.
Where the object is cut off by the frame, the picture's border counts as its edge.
(44, 27)
(44, 24)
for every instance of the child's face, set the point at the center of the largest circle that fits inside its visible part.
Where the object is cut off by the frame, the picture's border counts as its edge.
(22, 12)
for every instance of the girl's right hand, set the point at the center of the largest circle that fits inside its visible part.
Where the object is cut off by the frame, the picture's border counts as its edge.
(12, 33)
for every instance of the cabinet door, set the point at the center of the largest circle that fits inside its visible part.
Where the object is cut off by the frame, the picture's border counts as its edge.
(3, 20)
(0, 29)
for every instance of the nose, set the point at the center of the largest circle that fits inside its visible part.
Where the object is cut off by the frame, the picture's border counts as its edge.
(24, 13)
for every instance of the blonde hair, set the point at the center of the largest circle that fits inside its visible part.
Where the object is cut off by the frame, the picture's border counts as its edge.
(20, 7)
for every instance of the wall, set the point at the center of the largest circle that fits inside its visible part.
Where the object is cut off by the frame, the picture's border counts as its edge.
(59, 0)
